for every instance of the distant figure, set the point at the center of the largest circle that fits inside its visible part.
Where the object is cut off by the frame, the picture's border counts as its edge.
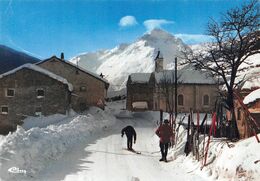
(130, 133)
(164, 132)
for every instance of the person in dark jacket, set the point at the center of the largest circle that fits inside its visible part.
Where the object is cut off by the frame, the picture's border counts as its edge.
(130, 134)
(165, 133)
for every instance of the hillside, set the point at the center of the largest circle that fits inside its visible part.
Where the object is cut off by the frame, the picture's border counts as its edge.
(10, 59)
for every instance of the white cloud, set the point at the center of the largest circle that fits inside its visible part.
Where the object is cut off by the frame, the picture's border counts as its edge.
(150, 24)
(194, 38)
(127, 21)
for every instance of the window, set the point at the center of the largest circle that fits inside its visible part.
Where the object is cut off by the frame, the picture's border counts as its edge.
(206, 100)
(180, 100)
(4, 109)
(38, 111)
(9, 92)
(82, 89)
(40, 93)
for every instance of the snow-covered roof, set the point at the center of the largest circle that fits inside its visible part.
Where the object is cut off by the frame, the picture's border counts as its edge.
(253, 96)
(41, 70)
(80, 68)
(166, 74)
(186, 75)
(140, 77)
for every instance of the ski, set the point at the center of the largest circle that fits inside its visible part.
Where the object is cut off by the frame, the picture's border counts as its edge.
(133, 151)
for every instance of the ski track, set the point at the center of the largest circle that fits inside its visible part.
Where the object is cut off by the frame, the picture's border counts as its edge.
(105, 159)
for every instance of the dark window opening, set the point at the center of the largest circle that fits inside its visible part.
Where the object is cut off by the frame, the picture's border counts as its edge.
(10, 92)
(4, 110)
(40, 93)
(82, 106)
(206, 100)
(180, 100)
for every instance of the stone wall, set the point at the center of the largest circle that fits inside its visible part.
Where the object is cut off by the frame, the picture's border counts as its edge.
(87, 91)
(139, 92)
(25, 103)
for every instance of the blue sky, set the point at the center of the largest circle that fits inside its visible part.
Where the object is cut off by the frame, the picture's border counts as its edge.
(47, 27)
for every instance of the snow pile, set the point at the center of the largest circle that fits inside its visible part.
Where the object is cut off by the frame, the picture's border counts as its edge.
(225, 160)
(41, 122)
(241, 162)
(31, 150)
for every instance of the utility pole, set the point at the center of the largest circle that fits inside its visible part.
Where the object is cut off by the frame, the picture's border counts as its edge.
(176, 93)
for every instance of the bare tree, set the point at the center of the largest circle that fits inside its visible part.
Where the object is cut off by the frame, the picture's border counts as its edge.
(234, 38)
(168, 88)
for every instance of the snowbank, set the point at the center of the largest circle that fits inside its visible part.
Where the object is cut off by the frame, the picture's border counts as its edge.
(241, 162)
(41, 122)
(31, 150)
(225, 161)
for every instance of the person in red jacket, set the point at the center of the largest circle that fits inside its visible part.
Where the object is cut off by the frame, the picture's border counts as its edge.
(164, 132)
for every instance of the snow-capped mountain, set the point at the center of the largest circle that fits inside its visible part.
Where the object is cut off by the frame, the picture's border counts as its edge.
(116, 64)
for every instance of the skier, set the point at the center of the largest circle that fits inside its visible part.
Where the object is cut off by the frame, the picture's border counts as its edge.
(164, 132)
(130, 133)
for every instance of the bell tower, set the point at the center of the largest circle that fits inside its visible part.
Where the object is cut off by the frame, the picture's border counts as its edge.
(158, 62)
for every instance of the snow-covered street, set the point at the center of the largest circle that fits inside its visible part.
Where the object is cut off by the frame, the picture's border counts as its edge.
(106, 158)
(89, 147)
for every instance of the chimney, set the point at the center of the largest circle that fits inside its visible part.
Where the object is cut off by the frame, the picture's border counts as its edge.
(62, 56)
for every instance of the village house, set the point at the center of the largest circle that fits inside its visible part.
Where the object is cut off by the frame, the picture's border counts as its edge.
(196, 89)
(30, 90)
(249, 100)
(90, 89)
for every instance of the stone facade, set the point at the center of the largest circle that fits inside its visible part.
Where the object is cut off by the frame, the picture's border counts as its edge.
(27, 92)
(88, 89)
(140, 92)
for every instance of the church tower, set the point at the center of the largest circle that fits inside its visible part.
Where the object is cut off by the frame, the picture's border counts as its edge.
(158, 62)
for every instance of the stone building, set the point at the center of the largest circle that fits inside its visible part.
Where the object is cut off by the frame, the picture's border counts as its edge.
(196, 89)
(30, 90)
(251, 99)
(89, 89)
(140, 91)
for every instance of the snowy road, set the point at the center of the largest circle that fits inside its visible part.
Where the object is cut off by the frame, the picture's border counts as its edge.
(104, 158)
(89, 147)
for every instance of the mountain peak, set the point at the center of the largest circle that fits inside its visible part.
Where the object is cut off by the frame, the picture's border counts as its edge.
(160, 35)
(118, 63)
(159, 32)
